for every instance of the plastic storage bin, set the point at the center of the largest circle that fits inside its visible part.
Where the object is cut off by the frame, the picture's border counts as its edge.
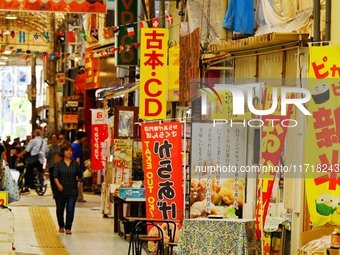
(132, 192)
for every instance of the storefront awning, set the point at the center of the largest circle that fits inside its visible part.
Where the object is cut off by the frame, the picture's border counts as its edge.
(259, 42)
(107, 93)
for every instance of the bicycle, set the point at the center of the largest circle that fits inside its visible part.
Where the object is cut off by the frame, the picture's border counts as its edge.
(40, 185)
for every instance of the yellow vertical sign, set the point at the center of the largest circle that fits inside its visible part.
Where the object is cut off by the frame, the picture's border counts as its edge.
(322, 157)
(3, 198)
(153, 73)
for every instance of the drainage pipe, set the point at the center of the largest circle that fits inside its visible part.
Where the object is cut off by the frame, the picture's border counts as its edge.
(316, 33)
(328, 21)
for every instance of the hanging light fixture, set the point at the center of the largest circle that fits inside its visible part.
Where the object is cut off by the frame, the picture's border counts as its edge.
(11, 16)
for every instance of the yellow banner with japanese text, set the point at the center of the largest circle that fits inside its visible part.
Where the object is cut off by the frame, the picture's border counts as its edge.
(153, 73)
(323, 136)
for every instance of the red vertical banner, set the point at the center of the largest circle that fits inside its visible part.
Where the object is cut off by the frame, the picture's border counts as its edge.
(163, 178)
(99, 146)
(99, 139)
(274, 132)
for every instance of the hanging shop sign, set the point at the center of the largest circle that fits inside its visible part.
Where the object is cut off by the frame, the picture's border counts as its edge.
(70, 118)
(162, 159)
(153, 73)
(126, 31)
(273, 138)
(99, 139)
(218, 167)
(68, 6)
(321, 165)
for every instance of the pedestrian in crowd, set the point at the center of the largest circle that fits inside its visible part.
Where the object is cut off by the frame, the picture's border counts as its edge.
(78, 156)
(15, 150)
(3, 155)
(52, 157)
(8, 146)
(62, 140)
(66, 175)
(37, 148)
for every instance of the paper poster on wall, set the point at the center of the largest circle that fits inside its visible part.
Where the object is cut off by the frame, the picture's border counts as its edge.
(217, 186)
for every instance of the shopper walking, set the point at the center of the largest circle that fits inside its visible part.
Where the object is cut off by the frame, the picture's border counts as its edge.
(78, 156)
(52, 157)
(37, 148)
(66, 175)
(3, 155)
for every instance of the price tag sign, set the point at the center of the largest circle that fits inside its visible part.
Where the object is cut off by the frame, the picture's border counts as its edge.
(4, 198)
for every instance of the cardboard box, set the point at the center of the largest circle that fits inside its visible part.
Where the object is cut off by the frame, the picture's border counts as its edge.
(332, 251)
(316, 233)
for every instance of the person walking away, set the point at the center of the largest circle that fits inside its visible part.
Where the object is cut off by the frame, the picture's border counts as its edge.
(8, 146)
(78, 156)
(15, 150)
(37, 148)
(66, 175)
(52, 157)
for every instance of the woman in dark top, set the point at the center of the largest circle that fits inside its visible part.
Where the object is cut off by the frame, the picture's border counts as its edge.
(66, 175)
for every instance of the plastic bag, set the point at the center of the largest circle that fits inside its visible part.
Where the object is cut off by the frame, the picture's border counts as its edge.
(11, 186)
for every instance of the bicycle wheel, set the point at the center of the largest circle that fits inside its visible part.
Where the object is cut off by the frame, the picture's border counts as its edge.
(21, 182)
(40, 186)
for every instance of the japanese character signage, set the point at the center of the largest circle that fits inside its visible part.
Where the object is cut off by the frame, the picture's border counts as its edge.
(163, 177)
(99, 139)
(273, 138)
(68, 6)
(217, 187)
(3, 198)
(322, 146)
(122, 160)
(153, 73)
(127, 17)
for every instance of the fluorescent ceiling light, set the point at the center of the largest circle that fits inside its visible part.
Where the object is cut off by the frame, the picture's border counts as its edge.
(7, 52)
(11, 16)
(2, 63)
(3, 57)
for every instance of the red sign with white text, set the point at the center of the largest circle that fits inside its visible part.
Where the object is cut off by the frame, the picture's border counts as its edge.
(163, 178)
(100, 146)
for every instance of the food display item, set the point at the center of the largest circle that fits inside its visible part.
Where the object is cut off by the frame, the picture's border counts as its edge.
(222, 197)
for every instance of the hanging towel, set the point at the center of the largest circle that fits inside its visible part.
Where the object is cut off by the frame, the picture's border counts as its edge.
(240, 16)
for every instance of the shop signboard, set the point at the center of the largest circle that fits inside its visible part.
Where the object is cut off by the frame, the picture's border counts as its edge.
(163, 177)
(218, 167)
(273, 137)
(321, 164)
(69, 6)
(127, 19)
(3, 198)
(122, 160)
(99, 139)
(70, 118)
(153, 73)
